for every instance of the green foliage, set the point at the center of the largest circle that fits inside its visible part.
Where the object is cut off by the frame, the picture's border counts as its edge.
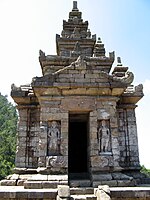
(145, 171)
(8, 129)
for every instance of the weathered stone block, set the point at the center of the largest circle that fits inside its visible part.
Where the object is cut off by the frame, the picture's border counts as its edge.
(20, 182)
(63, 191)
(38, 177)
(35, 195)
(58, 177)
(101, 161)
(49, 184)
(8, 182)
(14, 177)
(111, 183)
(56, 162)
(126, 183)
(103, 192)
(33, 185)
(22, 195)
(102, 177)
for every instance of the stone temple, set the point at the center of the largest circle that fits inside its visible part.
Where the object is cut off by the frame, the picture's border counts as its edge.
(77, 123)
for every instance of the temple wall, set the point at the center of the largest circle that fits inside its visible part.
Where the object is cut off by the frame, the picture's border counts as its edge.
(104, 160)
(32, 143)
(49, 156)
(28, 133)
(128, 141)
(58, 108)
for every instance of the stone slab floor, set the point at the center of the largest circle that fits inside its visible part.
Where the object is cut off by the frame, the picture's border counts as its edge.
(18, 192)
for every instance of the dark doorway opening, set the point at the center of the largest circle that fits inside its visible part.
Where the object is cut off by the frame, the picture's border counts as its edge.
(78, 146)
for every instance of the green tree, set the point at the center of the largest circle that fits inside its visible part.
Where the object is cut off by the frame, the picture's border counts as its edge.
(8, 129)
(145, 171)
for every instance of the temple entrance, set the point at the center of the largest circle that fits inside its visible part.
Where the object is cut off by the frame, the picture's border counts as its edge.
(78, 146)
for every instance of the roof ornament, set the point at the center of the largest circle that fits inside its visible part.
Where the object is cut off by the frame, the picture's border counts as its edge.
(77, 50)
(99, 40)
(75, 8)
(75, 33)
(88, 33)
(126, 79)
(119, 61)
(41, 53)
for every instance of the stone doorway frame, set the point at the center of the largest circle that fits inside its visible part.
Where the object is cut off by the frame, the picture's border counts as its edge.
(80, 117)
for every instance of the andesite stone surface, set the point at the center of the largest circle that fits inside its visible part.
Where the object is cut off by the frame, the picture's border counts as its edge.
(77, 121)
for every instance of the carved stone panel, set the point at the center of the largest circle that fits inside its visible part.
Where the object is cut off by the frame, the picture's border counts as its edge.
(53, 138)
(104, 137)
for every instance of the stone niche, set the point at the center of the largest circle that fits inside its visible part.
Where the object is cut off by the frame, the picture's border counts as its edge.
(77, 122)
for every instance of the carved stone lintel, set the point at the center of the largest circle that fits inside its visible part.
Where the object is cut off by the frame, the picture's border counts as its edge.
(56, 162)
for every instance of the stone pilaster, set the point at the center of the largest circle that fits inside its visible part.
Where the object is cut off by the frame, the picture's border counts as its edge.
(128, 140)
(133, 140)
(42, 144)
(27, 140)
(21, 148)
(53, 161)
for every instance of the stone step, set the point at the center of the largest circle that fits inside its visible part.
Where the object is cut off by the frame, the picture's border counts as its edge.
(84, 197)
(80, 183)
(43, 184)
(81, 190)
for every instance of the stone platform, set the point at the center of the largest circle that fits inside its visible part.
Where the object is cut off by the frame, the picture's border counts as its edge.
(64, 192)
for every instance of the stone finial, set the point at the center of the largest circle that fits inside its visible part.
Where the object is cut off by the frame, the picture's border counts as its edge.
(41, 53)
(119, 61)
(99, 40)
(63, 34)
(94, 37)
(139, 88)
(75, 5)
(14, 87)
(88, 33)
(112, 55)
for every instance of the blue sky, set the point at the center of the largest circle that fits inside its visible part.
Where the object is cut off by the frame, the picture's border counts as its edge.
(123, 25)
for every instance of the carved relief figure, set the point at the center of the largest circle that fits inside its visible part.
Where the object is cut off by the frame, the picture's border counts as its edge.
(75, 33)
(104, 137)
(54, 138)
